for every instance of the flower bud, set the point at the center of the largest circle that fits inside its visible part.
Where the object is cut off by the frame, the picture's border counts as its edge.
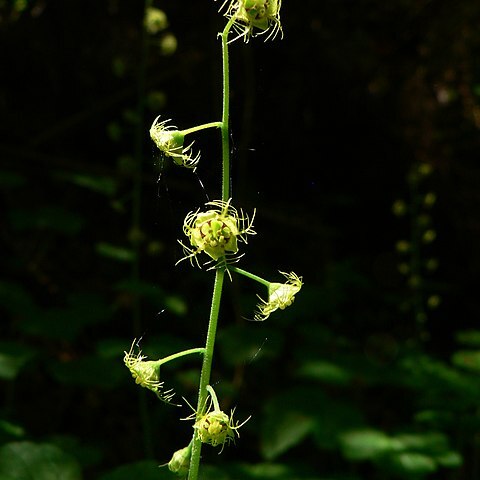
(180, 462)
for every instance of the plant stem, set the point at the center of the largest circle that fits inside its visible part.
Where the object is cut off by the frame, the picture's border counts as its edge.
(206, 368)
(219, 273)
(136, 220)
(202, 127)
(181, 354)
(226, 115)
(213, 396)
(250, 275)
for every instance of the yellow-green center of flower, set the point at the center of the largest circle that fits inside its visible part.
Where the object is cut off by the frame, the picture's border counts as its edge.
(214, 428)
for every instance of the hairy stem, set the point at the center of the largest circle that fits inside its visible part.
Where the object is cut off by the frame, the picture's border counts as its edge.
(249, 275)
(202, 127)
(226, 115)
(181, 354)
(206, 369)
(219, 273)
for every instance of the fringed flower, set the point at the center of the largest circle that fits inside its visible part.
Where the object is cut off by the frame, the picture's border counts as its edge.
(216, 232)
(254, 17)
(280, 296)
(147, 373)
(171, 142)
(214, 426)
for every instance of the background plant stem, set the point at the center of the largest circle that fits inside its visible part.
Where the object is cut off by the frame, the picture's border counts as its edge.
(136, 220)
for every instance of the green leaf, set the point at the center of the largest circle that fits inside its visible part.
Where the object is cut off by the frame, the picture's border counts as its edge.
(450, 459)
(8, 429)
(470, 338)
(467, 359)
(115, 252)
(15, 299)
(13, 356)
(89, 371)
(53, 218)
(364, 444)
(100, 184)
(288, 419)
(325, 371)
(145, 470)
(27, 460)
(239, 344)
(11, 180)
(412, 464)
(332, 419)
(155, 295)
(82, 310)
(429, 442)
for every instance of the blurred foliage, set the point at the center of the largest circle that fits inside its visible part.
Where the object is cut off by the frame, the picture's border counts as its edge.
(373, 373)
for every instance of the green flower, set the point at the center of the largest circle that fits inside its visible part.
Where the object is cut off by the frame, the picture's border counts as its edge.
(170, 141)
(147, 373)
(214, 426)
(216, 232)
(280, 296)
(254, 17)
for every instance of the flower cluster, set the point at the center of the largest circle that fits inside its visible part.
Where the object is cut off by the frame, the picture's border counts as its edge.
(147, 373)
(216, 232)
(171, 142)
(280, 296)
(248, 15)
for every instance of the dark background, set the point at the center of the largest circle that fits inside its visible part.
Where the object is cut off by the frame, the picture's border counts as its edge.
(372, 373)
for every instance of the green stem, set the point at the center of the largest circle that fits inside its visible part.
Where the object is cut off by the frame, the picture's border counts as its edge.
(250, 275)
(219, 273)
(213, 395)
(226, 114)
(181, 354)
(206, 369)
(136, 220)
(202, 127)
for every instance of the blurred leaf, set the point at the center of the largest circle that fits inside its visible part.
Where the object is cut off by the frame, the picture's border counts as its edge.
(240, 344)
(82, 310)
(86, 454)
(89, 371)
(334, 417)
(145, 470)
(325, 371)
(412, 464)
(27, 460)
(100, 184)
(13, 356)
(289, 417)
(11, 180)
(364, 444)
(15, 299)
(115, 252)
(449, 459)
(467, 359)
(53, 218)
(470, 338)
(155, 295)
(429, 442)
(10, 430)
